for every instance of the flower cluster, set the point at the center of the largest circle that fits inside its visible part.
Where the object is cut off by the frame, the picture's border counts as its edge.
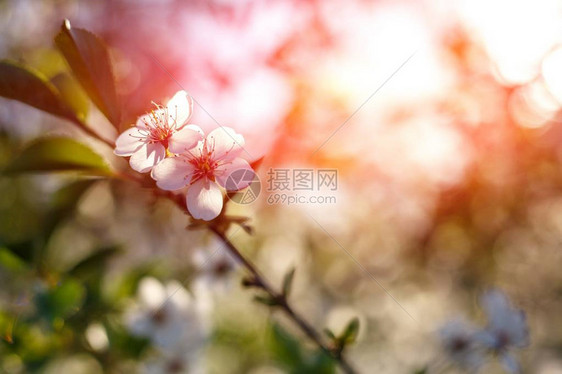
(173, 322)
(179, 155)
(506, 329)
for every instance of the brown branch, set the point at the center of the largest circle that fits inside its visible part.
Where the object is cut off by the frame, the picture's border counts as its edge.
(282, 302)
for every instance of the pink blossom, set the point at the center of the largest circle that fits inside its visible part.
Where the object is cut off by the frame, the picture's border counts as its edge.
(205, 169)
(157, 132)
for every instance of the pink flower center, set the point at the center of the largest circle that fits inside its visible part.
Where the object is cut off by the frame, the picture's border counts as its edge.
(205, 164)
(160, 127)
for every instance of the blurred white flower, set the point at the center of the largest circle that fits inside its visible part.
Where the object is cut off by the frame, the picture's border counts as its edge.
(96, 336)
(506, 328)
(214, 279)
(167, 315)
(179, 360)
(458, 338)
(216, 266)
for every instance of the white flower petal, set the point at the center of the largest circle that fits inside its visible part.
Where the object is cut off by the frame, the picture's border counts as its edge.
(172, 173)
(129, 141)
(225, 142)
(182, 298)
(196, 128)
(144, 121)
(495, 303)
(509, 363)
(184, 140)
(170, 333)
(204, 200)
(521, 333)
(486, 338)
(506, 324)
(147, 156)
(179, 109)
(139, 323)
(242, 177)
(151, 292)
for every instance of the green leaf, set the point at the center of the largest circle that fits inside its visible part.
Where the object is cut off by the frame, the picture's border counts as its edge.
(67, 298)
(89, 60)
(72, 94)
(66, 197)
(58, 154)
(240, 220)
(351, 331)
(23, 250)
(63, 203)
(9, 261)
(330, 334)
(92, 263)
(123, 344)
(289, 352)
(286, 348)
(288, 281)
(321, 363)
(61, 301)
(32, 88)
(266, 300)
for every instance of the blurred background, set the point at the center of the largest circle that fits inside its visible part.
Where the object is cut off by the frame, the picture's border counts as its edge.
(443, 120)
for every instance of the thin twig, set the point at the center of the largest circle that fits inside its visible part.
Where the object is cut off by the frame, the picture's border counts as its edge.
(283, 303)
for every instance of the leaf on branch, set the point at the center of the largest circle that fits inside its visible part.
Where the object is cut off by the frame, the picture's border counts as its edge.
(347, 337)
(286, 348)
(350, 333)
(247, 228)
(92, 263)
(330, 334)
(242, 222)
(266, 300)
(89, 60)
(290, 353)
(62, 301)
(288, 282)
(64, 202)
(72, 94)
(11, 262)
(30, 87)
(58, 154)
(250, 281)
